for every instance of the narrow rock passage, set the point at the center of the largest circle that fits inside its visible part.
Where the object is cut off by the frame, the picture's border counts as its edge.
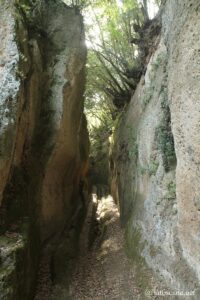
(105, 272)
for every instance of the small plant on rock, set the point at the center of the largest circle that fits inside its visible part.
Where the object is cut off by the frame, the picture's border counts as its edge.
(165, 140)
(153, 167)
(171, 190)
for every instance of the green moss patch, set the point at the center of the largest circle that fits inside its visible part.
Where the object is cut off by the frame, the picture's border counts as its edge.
(134, 246)
(164, 136)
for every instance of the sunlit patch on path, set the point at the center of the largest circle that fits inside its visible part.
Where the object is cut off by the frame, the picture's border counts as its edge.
(105, 272)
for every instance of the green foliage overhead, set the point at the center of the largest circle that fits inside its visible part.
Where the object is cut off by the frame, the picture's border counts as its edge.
(112, 54)
(77, 3)
(113, 67)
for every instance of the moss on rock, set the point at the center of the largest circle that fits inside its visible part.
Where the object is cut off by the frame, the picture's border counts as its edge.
(134, 246)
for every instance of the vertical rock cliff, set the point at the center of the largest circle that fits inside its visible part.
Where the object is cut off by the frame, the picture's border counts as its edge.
(43, 134)
(155, 153)
(44, 145)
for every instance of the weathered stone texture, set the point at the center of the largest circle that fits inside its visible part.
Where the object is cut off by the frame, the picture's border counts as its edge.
(43, 132)
(157, 183)
(184, 91)
(9, 88)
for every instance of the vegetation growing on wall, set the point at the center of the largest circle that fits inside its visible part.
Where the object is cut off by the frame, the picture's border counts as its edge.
(171, 190)
(134, 247)
(115, 33)
(165, 140)
(114, 67)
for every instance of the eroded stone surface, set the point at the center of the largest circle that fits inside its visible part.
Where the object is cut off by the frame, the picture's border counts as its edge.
(161, 202)
(184, 89)
(43, 131)
(9, 88)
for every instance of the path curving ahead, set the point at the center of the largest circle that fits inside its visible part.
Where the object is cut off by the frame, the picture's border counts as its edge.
(104, 272)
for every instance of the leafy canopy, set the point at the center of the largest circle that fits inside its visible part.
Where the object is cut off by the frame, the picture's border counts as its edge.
(113, 66)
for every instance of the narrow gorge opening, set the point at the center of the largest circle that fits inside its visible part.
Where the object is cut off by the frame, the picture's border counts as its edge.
(99, 147)
(102, 265)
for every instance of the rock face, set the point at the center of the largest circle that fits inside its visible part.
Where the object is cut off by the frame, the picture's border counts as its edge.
(185, 111)
(43, 134)
(155, 155)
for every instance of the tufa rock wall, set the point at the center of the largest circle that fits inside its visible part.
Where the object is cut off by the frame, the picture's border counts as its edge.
(43, 134)
(155, 152)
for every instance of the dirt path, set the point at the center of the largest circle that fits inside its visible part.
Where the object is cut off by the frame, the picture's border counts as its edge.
(102, 272)
(105, 272)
